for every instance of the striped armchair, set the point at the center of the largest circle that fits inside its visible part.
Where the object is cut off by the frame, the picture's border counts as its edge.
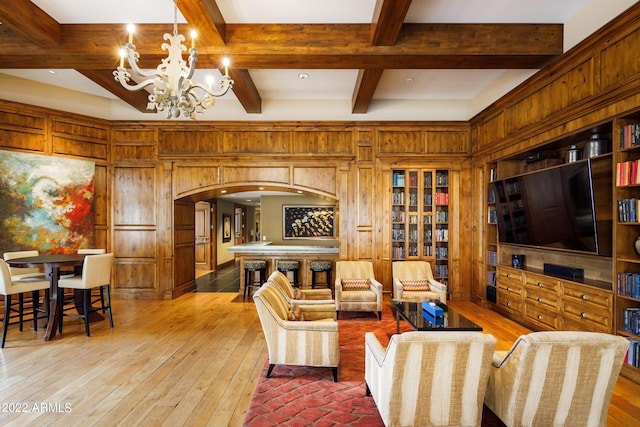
(365, 292)
(556, 378)
(297, 335)
(413, 280)
(429, 378)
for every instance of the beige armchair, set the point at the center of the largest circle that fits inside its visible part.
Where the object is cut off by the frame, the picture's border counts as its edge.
(297, 335)
(413, 280)
(429, 378)
(556, 378)
(300, 296)
(356, 287)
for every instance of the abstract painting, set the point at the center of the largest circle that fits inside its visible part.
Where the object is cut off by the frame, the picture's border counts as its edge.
(46, 203)
(308, 222)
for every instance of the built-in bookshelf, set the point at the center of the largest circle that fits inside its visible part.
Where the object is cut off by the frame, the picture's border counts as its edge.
(627, 229)
(420, 218)
(492, 233)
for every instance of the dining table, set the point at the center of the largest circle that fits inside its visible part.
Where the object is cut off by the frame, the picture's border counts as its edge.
(52, 265)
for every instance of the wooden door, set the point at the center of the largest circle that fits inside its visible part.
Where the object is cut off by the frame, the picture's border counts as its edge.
(203, 236)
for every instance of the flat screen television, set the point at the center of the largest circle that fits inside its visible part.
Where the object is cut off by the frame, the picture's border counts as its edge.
(567, 207)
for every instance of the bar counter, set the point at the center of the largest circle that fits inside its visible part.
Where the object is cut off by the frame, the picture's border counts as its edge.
(273, 253)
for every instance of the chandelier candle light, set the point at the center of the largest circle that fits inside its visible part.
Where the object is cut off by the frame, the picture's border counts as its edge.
(173, 89)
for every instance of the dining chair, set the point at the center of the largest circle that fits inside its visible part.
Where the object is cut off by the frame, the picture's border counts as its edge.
(8, 288)
(97, 294)
(96, 273)
(22, 273)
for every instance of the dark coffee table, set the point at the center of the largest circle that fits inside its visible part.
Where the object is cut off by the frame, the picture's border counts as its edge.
(418, 319)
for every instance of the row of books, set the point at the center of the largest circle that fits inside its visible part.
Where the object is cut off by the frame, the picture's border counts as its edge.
(442, 217)
(442, 198)
(631, 320)
(442, 235)
(492, 257)
(628, 210)
(491, 278)
(397, 252)
(633, 355)
(627, 173)
(442, 179)
(442, 252)
(397, 180)
(629, 136)
(492, 215)
(629, 285)
(441, 270)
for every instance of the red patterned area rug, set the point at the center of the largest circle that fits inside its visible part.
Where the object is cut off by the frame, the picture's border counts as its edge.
(307, 396)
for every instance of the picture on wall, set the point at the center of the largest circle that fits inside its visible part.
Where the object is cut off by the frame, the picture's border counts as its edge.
(46, 203)
(226, 228)
(308, 222)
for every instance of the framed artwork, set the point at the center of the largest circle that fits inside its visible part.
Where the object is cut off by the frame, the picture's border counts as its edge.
(226, 228)
(308, 222)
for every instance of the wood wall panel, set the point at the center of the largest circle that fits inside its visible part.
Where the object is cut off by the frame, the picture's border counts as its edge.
(322, 142)
(133, 144)
(619, 61)
(192, 177)
(364, 196)
(86, 149)
(134, 196)
(135, 243)
(201, 142)
(447, 141)
(400, 142)
(81, 131)
(256, 142)
(135, 276)
(317, 178)
(365, 246)
(184, 261)
(488, 132)
(101, 206)
(22, 141)
(21, 121)
(266, 174)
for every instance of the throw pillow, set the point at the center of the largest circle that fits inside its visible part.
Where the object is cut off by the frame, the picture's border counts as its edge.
(295, 313)
(416, 285)
(298, 294)
(355, 284)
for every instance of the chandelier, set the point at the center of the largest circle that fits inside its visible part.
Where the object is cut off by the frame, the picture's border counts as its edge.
(173, 89)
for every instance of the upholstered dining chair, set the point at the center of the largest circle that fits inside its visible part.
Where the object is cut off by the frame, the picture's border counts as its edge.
(413, 280)
(23, 273)
(297, 335)
(356, 288)
(97, 294)
(299, 296)
(429, 378)
(558, 378)
(9, 288)
(96, 272)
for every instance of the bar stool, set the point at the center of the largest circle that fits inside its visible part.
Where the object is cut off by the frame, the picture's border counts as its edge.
(250, 268)
(289, 265)
(318, 267)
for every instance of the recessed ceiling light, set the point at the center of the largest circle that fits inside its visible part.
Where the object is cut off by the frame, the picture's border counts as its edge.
(260, 188)
(303, 76)
(409, 79)
(223, 191)
(299, 192)
(52, 72)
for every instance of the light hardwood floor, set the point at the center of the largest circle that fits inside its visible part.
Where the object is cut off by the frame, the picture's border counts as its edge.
(189, 361)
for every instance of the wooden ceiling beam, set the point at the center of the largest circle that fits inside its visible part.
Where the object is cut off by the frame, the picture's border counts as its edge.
(104, 78)
(273, 46)
(205, 17)
(31, 22)
(245, 90)
(388, 18)
(365, 88)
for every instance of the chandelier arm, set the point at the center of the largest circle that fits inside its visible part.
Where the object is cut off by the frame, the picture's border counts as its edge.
(223, 87)
(132, 58)
(123, 76)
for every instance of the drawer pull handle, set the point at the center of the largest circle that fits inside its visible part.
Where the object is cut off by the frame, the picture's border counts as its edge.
(508, 275)
(539, 299)
(583, 296)
(508, 288)
(539, 317)
(508, 304)
(583, 315)
(540, 285)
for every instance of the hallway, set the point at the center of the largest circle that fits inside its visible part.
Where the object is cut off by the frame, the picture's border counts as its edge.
(225, 279)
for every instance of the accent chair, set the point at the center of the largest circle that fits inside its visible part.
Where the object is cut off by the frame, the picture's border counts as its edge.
(429, 378)
(356, 287)
(413, 280)
(297, 334)
(558, 378)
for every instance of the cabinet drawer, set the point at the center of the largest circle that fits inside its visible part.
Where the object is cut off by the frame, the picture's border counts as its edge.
(536, 281)
(587, 314)
(510, 275)
(547, 319)
(544, 298)
(511, 303)
(584, 295)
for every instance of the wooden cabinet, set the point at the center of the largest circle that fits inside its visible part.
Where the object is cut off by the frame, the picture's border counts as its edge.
(543, 302)
(491, 235)
(509, 291)
(626, 147)
(586, 308)
(420, 218)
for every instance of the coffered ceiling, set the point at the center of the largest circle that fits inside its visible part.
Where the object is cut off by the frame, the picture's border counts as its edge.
(365, 59)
